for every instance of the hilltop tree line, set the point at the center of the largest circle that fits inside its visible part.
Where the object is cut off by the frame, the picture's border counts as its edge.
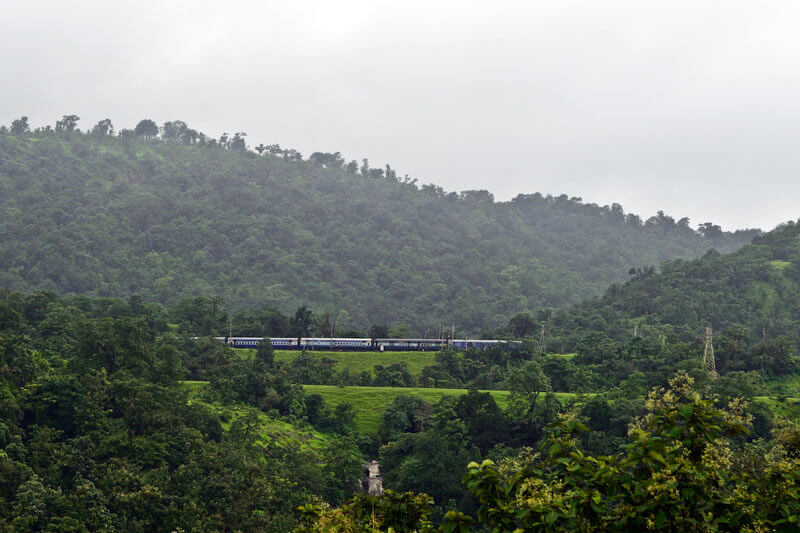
(167, 212)
(178, 131)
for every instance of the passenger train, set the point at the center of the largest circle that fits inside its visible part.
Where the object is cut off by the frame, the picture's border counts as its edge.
(378, 345)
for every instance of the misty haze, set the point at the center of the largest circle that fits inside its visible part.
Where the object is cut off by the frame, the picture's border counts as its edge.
(372, 266)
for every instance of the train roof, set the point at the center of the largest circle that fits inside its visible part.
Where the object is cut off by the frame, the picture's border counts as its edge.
(334, 339)
(412, 340)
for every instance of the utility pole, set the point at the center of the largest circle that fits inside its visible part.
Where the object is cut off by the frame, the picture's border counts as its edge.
(708, 354)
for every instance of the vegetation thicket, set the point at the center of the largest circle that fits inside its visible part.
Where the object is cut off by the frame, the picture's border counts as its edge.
(754, 290)
(98, 433)
(684, 468)
(168, 213)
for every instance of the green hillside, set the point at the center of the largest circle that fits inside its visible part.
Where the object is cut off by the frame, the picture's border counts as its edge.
(757, 287)
(113, 216)
(750, 298)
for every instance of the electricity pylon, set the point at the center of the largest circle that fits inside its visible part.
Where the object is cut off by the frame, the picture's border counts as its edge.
(543, 340)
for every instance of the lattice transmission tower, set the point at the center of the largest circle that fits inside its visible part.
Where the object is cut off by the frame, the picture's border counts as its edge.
(543, 340)
(708, 354)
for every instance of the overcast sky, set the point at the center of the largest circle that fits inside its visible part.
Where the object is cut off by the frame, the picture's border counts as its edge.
(688, 107)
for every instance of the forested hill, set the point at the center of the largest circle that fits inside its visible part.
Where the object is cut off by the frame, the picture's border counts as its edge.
(167, 219)
(750, 294)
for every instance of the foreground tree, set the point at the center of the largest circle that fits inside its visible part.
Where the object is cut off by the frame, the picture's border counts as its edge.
(679, 474)
(392, 511)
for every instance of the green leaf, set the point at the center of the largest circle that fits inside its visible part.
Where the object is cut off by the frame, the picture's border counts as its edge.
(686, 411)
(656, 456)
(661, 518)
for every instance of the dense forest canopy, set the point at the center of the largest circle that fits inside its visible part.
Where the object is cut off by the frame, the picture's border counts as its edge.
(166, 213)
(751, 294)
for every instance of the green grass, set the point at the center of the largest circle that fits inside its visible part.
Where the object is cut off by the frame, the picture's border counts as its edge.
(369, 402)
(358, 362)
(779, 265)
(194, 386)
(789, 409)
(270, 430)
(788, 385)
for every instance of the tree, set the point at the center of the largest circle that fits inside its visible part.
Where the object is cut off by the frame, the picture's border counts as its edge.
(20, 126)
(115, 344)
(302, 322)
(237, 143)
(522, 325)
(400, 331)
(178, 131)
(525, 384)
(392, 511)
(342, 470)
(405, 414)
(67, 124)
(710, 231)
(485, 421)
(678, 466)
(379, 331)
(146, 128)
(596, 347)
(326, 160)
(103, 127)
(265, 353)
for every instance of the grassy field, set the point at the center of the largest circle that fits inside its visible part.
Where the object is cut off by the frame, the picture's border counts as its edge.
(358, 362)
(788, 385)
(788, 408)
(369, 402)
